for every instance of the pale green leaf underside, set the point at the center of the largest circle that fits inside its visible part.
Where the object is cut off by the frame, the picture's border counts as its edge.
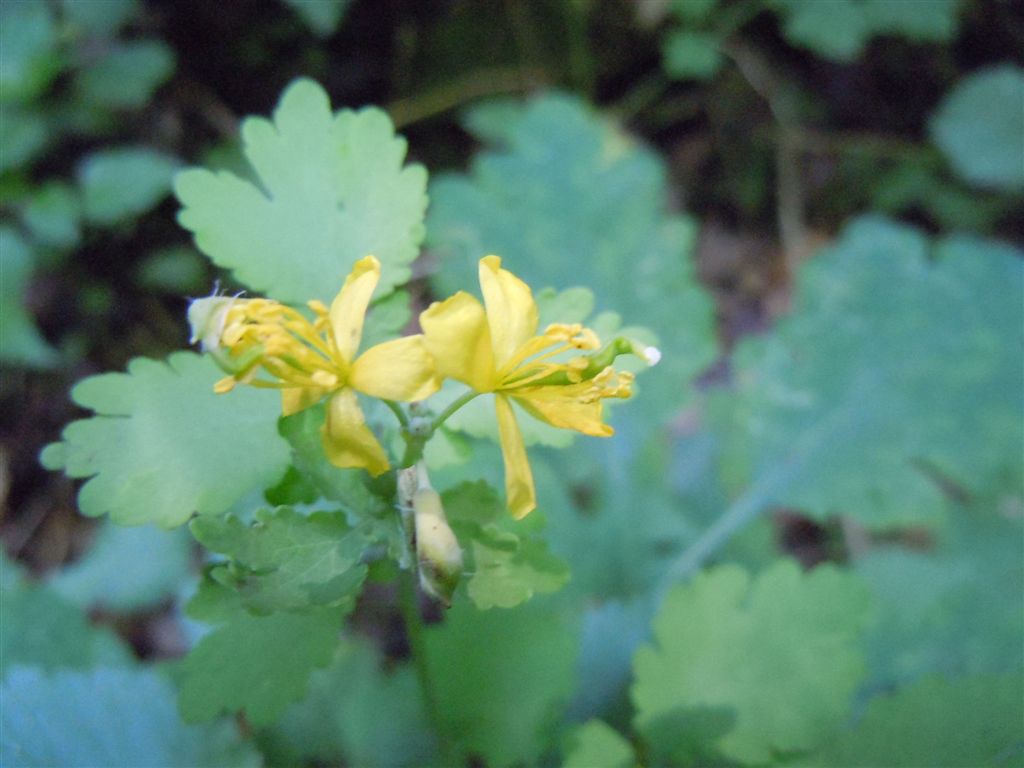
(890, 366)
(108, 717)
(163, 446)
(779, 653)
(332, 190)
(159, 562)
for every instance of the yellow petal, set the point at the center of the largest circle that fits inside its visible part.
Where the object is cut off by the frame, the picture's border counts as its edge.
(299, 399)
(349, 307)
(396, 370)
(519, 491)
(457, 336)
(555, 406)
(347, 441)
(511, 311)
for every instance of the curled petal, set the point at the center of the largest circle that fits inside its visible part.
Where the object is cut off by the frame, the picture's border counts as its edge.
(519, 490)
(457, 336)
(557, 407)
(297, 399)
(396, 370)
(348, 310)
(511, 311)
(347, 441)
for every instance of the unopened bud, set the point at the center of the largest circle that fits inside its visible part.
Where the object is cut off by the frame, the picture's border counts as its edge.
(438, 551)
(616, 347)
(206, 319)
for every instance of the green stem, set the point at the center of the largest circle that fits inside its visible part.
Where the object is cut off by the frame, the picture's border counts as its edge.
(396, 409)
(409, 601)
(414, 445)
(452, 408)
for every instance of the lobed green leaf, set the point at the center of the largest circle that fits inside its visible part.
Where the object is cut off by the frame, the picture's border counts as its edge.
(506, 566)
(763, 666)
(891, 371)
(499, 678)
(255, 664)
(332, 190)
(940, 723)
(162, 446)
(286, 561)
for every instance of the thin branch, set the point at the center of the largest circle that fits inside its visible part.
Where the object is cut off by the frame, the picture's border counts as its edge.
(475, 85)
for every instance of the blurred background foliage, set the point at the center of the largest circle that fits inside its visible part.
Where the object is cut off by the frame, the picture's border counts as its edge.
(817, 206)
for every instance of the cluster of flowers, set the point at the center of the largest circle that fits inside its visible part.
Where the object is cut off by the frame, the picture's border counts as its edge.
(560, 376)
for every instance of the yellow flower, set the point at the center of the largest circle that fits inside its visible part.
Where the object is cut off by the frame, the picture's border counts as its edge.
(309, 361)
(498, 350)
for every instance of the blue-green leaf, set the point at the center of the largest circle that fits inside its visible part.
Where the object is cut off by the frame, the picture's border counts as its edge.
(891, 369)
(108, 717)
(979, 126)
(20, 340)
(119, 184)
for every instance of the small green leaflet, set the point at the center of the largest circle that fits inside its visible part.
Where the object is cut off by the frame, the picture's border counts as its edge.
(839, 29)
(506, 566)
(52, 215)
(29, 59)
(598, 744)
(748, 668)
(987, 152)
(255, 664)
(333, 189)
(108, 717)
(286, 561)
(20, 340)
(122, 183)
(321, 16)
(939, 723)
(690, 54)
(126, 75)
(163, 446)
(891, 370)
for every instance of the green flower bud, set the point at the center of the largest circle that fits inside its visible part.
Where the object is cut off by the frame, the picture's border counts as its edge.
(438, 551)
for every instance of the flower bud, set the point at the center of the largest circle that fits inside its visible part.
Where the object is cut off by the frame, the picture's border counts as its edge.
(438, 551)
(206, 319)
